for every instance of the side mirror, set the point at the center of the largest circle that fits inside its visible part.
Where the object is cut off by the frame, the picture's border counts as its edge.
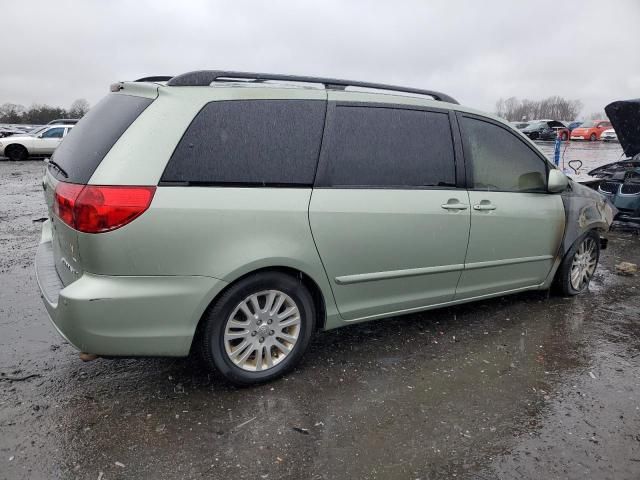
(557, 182)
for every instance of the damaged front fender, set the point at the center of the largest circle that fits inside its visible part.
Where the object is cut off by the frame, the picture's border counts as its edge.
(585, 209)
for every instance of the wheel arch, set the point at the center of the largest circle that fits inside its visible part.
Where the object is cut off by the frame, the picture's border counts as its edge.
(307, 280)
(585, 211)
(557, 279)
(14, 145)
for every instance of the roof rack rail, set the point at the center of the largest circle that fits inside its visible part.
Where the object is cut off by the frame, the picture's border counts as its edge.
(156, 78)
(202, 78)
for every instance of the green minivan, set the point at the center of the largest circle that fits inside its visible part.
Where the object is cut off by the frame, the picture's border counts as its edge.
(234, 214)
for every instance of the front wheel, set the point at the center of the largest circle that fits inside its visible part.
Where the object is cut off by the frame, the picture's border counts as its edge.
(259, 328)
(16, 152)
(564, 137)
(593, 137)
(579, 265)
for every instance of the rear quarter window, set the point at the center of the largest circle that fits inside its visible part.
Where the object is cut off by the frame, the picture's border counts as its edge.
(250, 142)
(89, 141)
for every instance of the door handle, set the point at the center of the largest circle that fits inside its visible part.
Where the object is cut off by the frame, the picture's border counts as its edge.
(454, 206)
(484, 206)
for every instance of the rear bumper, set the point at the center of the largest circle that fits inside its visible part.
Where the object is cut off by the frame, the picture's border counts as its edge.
(126, 315)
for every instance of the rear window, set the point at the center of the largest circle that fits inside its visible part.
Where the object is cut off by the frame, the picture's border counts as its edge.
(90, 140)
(389, 147)
(250, 142)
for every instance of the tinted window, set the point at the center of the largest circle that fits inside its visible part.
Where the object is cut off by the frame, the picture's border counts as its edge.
(87, 143)
(374, 146)
(53, 133)
(500, 160)
(257, 142)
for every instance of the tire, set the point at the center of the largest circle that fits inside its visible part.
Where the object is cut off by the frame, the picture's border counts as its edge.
(593, 137)
(226, 327)
(589, 242)
(16, 152)
(564, 137)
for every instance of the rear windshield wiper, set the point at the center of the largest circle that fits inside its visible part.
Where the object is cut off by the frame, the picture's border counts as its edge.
(58, 167)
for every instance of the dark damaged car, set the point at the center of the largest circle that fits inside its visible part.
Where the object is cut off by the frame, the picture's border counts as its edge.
(620, 181)
(546, 130)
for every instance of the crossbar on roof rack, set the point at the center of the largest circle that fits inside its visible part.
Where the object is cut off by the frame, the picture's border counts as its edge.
(203, 78)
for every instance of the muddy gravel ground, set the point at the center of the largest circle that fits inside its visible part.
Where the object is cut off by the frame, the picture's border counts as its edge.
(527, 386)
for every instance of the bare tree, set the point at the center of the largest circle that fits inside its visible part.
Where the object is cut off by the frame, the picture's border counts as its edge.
(40, 114)
(557, 108)
(78, 108)
(11, 113)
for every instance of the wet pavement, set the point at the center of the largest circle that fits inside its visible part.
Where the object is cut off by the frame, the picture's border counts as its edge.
(527, 386)
(590, 154)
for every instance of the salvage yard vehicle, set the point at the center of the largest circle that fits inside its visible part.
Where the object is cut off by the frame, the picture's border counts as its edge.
(8, 130)
(42, 143)
(519, 125)
(609, 135)
(546, 130)
(64, 121)
(573, 125)
(590, 130)
(234, 214)
(620, 181)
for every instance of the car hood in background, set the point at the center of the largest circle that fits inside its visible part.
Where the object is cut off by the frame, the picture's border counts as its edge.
(625, 118)
(20, 136)
(617, 171)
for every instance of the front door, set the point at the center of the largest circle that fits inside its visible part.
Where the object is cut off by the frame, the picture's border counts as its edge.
(388, 221)
(516, 226)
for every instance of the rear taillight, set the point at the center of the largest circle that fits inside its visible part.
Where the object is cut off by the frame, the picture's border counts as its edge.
(64, 201)
(97, 209)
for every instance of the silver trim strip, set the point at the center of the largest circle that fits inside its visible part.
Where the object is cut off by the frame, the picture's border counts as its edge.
(413, 272)
(508, 261)
(388, 275)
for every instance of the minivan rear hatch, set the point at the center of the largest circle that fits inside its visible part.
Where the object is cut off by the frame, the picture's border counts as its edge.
(74, 162)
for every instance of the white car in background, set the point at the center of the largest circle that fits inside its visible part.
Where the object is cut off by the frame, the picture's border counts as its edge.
(40, 143)
(609, 135)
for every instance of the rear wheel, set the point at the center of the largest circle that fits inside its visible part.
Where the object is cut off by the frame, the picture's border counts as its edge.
(593, 137)
(259, 328)
(16, 152)
(579, 265)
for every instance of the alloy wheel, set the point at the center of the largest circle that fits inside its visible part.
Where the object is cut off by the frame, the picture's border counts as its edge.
(583, 265)
(262, 330)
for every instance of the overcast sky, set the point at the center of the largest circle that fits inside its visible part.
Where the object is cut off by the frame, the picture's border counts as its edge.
(477, 51)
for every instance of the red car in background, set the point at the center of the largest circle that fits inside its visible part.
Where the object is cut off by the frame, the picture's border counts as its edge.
(590, 130)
